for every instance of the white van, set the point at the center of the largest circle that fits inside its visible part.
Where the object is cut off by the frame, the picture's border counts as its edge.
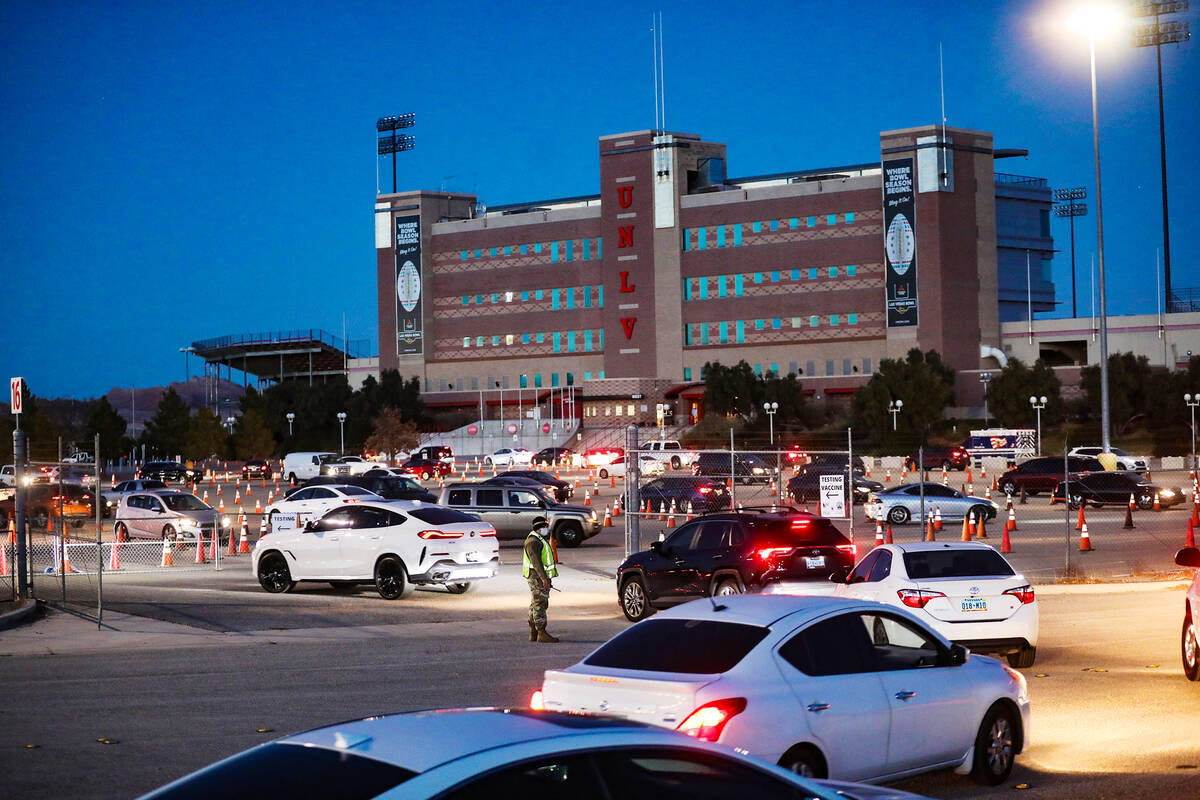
(299, 467)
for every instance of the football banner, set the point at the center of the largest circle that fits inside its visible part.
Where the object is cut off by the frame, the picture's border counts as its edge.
(900, 242)
(408, 286)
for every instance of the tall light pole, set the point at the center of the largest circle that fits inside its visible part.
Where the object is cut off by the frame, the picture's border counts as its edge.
(1192, 401)
(1071, 210)
(894, 408)
(1155, 35)
(984, 378)
(290, 418)
(771, 409)
(394, 144)
(342, 430)
(1038, 404)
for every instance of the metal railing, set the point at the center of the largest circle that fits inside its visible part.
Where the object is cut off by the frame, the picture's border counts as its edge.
(1020, 180)
(355, 348)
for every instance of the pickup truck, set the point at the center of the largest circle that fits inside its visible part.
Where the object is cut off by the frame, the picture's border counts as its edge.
(669, 452)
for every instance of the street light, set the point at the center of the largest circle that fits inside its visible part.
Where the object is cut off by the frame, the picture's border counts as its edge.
(771, 408)
(290, 418)
(1038, 404)
(894, 407)
(342, 430)
(1192, 401)
(229, 424)
(660, 411)
(984, 377)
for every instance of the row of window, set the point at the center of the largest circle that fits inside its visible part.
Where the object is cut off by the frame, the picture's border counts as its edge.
(585, 249)
(707, 236)
(702, 333)
(735, 285)
(810, 369)
(585, 341)
(614, 410)
(491, 383)
(570, 297)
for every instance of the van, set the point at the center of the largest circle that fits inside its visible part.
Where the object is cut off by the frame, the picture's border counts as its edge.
(302, 466)
(436, 452)
(511, 510)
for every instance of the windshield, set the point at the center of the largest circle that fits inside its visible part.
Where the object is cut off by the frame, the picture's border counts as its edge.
(956, 563)
(185, 502)
(327, 458)
(354, 491)
(697, 646)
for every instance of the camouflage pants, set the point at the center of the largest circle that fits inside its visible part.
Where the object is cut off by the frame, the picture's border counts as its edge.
(539, 601)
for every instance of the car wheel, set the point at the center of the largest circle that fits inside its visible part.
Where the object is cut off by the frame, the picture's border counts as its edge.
(897, 515)
(1023, 658)
(980, 512)
(292, 478)
(1008, 488)
(1190, 649)
(168, 532)
(675, 462)
(994, 747)
(488, 461)
(569, 535)
(274, 575)
(461, 587)
(1076, 500)
(634, 603)
(424, 475)
(603, 473)
(804, 760)
(390, 578)
(727, 587)
(1145, 502)
(746, 480)
(121, 532)
(342, 586)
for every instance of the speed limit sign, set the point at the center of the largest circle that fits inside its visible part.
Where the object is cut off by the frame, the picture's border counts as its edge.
(15, 402)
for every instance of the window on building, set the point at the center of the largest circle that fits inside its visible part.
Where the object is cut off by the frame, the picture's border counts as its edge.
(495, 298)
(833, 272)
(866, 366)
(687, 373)
(587, 341)
(720, 236)
(794, 222)
(756, 227)
(629, 409)
(758, 370)
(508, 339)
(741, 331)
(1044, 221)
(537, 380)
(758, 324)
(703, 288)
(554, 302)
(466, 300)
(479, 341)
(852, 319)
(538, 294)
(833, 319)
(814, 321)
(812, 273)
(599, 247)
(851, 270)
(829, 366)
(831, 219)
(775, 276)
(811, 222)
(554, 252)
(849, 216)
(792, 367)
(495, 341)
(738, 285)
(570, 379)
(774, 224)
(524, 382)
(508, 250)
(724, 333)
(775, 370)
(537, 247)
(600, 296)
(687, 334)
(541, 338)
(702, 238)
(587, 376)
(795, 274)
(570, 341)
(557, 342)
(704, 333)
(776, 323)
(570, 293)
(796, 323)
(464, 255)
(810, 368)
(570, 243)
(685, 245)
(587, 297)
(737, 235)
(466, 341)
(687, 289)
(587, 249)
(721, 286)
(524, 249)
(758, 277)
(492, 252)
(846, 366)
(524, 338)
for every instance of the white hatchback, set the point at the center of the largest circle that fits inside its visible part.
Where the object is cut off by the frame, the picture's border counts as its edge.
(310, 502)
(965, 591)
(647, 465)
(509, 457)
(824, 686)
(392, 543)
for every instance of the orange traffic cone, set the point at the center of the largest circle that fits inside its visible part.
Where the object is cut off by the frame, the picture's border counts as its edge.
(671, 516)
(1191, 535)
(888, 539)
(1128, 515)
(112, 480)
(878, 533)
(200, 547)
(982, 471)
(1012, 520)
(937, 518)
(205, 498)
(929, 537)
(167, 559)
(233, 539)
(237, 497)
(888, 476)
(3, 559)
(1196, 508)
(1005, 542)
(903, 473)
(218, 490)
(607, 517)
(587, 497)
(114, 559)
(970, 488)
(1080, 522)
(12, 531)
(968, 524)
(257, 506)
(970, 480)
(980, 530)
(244, 543)
(617, 506)
(1157, 506)
(249, 488)
(1085, 541)
(612, 481)
(66, 557)
(773, 492)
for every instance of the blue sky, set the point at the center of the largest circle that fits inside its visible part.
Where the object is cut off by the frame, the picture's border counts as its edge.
(177, 173)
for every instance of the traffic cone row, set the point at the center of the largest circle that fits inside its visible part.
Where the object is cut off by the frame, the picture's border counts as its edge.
(1191, 535)
(1085, 541)
(968, 524)
(244, 544)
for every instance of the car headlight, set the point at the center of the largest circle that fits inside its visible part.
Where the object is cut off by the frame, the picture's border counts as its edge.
(759, 470)
(187, 522)
(225, 522)
(1166, 493)
(593, 514)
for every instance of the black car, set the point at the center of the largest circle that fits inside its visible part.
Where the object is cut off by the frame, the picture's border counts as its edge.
(939, 456)
(551, 456)
(168, 471)
(805, 485)
(837, 461)
(1115, 488)
(256, 468)
(731, 553)
(44, 501)
(389, 487)
(698, 494)
(562, 489)
(1043, 474)
(744, 467)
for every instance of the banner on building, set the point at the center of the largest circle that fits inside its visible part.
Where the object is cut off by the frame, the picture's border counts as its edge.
(900, 242)
(408, 286)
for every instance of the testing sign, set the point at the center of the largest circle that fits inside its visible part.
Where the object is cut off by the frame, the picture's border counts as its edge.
(833, 496)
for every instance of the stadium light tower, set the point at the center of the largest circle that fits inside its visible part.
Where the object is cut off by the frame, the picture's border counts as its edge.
(1070, 209)
(393, 144)
(1156, 34)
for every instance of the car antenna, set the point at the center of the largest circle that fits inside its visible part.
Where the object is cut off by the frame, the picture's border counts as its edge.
(716, 606)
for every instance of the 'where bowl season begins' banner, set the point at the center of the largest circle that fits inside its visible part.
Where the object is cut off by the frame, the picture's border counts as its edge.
(900, 242)
(408, 286)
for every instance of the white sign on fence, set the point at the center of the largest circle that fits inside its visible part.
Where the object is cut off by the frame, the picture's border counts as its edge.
(833, 496)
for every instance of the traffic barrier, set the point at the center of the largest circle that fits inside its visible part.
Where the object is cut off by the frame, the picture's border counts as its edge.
(1128, 514)
(1005, 542)
(937, 518)
(244, 544)
(1085, 541)
(167, 559)
(968, 524)
(1081, 521)
(114, 558)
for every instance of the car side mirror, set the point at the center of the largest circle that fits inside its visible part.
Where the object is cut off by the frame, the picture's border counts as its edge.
(840, 575)
(310, 526)
(1188, 557)
(958, 655)
(657, 547)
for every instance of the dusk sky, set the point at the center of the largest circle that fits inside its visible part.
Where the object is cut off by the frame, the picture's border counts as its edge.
(174, 173)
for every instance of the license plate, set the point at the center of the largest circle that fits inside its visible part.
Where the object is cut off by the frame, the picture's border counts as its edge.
(475, 556)
(814, 562)
(466, 574)
(974, 604)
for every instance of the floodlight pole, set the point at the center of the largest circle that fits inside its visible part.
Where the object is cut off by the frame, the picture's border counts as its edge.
(1104, 407)
(1071, 210)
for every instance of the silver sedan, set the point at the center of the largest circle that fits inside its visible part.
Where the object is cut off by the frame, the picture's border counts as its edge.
(903, 503)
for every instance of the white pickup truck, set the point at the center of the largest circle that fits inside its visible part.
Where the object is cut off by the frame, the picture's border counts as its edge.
(669, 452)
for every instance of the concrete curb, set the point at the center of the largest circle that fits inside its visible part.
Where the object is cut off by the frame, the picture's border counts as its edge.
(1109, 588)
(20, 614)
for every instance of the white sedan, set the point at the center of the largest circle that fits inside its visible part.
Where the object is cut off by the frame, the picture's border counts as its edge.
(647, 465)
(391, 543)
(509, 457)
(496, 754)
(824, 686)
(310, 502)
(965, 591)
(357, 464)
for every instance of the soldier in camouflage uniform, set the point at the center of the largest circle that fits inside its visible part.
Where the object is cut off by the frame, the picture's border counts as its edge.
(538, 567)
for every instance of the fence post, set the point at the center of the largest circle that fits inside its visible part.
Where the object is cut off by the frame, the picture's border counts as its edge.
(633, 528)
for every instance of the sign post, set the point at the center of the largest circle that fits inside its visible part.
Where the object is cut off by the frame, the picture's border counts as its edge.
(17, 386)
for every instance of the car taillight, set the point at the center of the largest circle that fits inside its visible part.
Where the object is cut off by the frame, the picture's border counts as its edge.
(917, 598)
(707, 721)
(1022, 593)
(852, 549)
(489, 532)
(434, 534)
(535, 701)
(704, 490)
(767, 553)
(800, 523)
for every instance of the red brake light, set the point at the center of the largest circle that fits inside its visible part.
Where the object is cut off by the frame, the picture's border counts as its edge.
(535, 701)
(488, 532)
(800, 523)
(704, 489)
(707, 721)
(767, 553)
(917, 598)
(852, 549)
(1022, 593)
(434, 534)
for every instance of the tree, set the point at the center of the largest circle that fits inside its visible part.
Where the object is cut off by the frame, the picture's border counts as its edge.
(166, 431)
(205, 437)
(1008, 394)
(1129, 378)
(922, 381)
(109, 425)
(729, 390)
(391, 433)
(252, 436)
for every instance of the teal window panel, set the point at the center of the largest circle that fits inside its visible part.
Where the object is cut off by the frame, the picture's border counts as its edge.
(741, 330)
(794, 222)
(495, 298)
(776, 323)
(737, 235)
(464, 255)
(774, 224)
(587, 249)
(852, 319)
(687, 373)
(849, 216)
(833, 272)
(833, 319)
(775, 368)
(537, 380)
(724, 333)
(492, 252)
(570, 379)
(479, 341)
(756, 227)
(811, 222)
(814, 321)
(601, 377)
(538, 294)
(758, 277)
(599, 247)
(478, 299)
(704, 288)
(554, 252)
(537, 247)
(554, 300)
(570, 293)
(685, 245)
(812, 273)
(495, 341)
(541, 338)
(831, 219)
(466, 341)
(524, 338)
(721, 291)
(524, 383)
(775, 276)
(758, 370)
(570, 341)
(570, 249)
(704, 333)
(687, 289)
(478, 253)
(739, 285)
(557, 342)
(702, 238)
(758, 324)
(466, 300)
(524, 249)
(508, 250)
(795, 274)
(587, 297)
(687, 334)
(602, 345)
(851, 270)
(600, 296)
(554, 379)
(587, 376)
(587, 341)
(524, 296)
(720, 236)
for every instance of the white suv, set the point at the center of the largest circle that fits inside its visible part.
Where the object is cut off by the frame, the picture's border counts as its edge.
(1125, 461)
(310, 502)
(391, 543)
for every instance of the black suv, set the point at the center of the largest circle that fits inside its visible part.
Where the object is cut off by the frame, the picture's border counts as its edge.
(256, 468)
(561, 489)
(551, 456)
(168, 471)
(389, 487)
(731, 553)
(837, 461)
(747, 467)
(1043, 474)
(805, 485)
